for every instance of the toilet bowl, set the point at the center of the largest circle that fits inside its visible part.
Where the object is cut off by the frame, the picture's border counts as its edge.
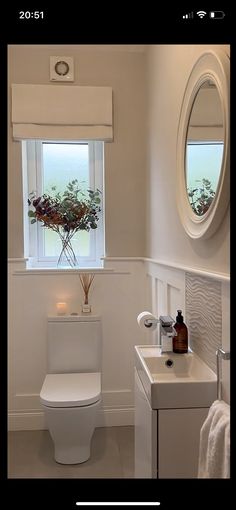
(70, 403)
(71, 391)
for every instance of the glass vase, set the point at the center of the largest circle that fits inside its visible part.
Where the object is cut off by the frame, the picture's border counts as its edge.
(67, 257)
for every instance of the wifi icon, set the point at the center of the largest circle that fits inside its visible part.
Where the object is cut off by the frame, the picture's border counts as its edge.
(201, 14)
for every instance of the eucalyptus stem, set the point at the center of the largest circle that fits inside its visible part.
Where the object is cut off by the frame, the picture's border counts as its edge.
(66, 213)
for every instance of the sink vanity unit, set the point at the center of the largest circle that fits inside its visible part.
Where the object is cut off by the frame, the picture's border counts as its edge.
(173, 393)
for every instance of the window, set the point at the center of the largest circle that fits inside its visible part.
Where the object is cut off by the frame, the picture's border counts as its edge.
(48, 164)
(204, 159)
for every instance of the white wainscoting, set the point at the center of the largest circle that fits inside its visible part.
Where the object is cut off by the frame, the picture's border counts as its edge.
(166, 293)
(135, 285)
(117, 296)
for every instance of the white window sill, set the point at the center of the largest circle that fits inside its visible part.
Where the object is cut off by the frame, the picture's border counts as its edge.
(19, 269)
(63, 270)
(69, 271)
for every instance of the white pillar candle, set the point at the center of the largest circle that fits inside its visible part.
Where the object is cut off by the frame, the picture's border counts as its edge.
(61, 308)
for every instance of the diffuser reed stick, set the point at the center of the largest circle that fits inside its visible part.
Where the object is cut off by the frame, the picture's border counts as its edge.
(86, 280)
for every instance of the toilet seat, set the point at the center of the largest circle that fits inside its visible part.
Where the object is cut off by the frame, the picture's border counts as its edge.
(71, 390)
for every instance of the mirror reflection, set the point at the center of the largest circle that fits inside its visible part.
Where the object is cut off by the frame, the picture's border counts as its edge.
(204, 148)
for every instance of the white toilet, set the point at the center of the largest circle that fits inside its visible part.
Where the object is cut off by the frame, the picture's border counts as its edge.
(71, 392)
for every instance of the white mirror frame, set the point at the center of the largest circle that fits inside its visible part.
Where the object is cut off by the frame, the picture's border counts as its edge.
(213, 65)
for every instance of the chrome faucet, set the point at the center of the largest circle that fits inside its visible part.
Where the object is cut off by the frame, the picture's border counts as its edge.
(166, 326)
(167, 331)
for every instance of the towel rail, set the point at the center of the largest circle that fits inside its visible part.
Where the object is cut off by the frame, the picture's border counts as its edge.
(220, 354)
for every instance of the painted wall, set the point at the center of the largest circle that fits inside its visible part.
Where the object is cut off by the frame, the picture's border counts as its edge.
(168, 68)
(124, 158)
(118, 297)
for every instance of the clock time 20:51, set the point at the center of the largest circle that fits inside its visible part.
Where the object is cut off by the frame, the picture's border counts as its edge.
(31, 14)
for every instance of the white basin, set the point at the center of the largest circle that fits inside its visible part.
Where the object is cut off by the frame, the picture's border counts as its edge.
(175, 380)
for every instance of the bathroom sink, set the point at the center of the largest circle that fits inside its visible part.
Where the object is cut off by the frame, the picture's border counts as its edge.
(175, 380)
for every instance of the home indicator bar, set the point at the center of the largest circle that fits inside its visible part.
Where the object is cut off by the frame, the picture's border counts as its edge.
(117, 503)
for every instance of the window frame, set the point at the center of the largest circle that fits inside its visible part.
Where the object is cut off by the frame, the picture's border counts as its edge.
(32, 160)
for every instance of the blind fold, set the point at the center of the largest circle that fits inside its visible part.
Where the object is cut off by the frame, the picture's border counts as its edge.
(61, 112)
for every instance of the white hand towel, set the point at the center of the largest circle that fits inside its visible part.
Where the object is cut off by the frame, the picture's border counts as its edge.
(214, 450)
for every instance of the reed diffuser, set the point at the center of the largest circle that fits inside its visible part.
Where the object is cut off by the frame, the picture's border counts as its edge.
(86, 280)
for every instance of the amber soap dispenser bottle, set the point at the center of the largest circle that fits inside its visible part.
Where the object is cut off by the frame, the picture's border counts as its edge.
(180, 342)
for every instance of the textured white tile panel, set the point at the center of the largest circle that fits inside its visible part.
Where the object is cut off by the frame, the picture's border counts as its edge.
(204, 316)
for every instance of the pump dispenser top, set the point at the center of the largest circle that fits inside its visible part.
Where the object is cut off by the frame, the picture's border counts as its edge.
(180, 341)
(179, 317)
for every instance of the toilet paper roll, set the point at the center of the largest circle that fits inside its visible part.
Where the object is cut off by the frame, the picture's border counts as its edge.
(143, 317)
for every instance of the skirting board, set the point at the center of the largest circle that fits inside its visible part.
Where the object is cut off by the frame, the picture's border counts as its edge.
(35, 420)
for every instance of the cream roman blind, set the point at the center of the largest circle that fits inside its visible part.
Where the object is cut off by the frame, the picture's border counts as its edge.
(61, 112)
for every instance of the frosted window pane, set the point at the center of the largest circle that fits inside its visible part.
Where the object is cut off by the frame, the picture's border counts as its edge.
(63, 162)
(204, 162)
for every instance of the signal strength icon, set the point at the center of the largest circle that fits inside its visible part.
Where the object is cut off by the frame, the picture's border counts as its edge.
(201, 14)
(188, 16)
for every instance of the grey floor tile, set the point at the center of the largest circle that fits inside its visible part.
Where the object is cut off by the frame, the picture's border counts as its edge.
(125, 438)
(31, 455)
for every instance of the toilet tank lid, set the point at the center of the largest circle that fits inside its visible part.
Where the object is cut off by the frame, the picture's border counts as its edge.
(74, 318)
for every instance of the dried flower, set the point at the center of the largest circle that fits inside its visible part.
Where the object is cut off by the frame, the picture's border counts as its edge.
(66, 213)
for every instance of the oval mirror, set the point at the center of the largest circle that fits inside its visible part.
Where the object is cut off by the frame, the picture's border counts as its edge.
(203, 146)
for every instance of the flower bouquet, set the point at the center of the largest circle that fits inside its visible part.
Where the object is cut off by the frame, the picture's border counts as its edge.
(66, 213)
(201, 197)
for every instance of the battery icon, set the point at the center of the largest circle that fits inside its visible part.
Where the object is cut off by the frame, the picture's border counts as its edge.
(217, 14)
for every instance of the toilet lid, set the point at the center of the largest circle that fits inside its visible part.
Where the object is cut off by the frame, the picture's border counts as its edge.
(71, 390)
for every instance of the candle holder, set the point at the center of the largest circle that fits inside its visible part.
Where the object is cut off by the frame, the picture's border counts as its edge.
(61, 308)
